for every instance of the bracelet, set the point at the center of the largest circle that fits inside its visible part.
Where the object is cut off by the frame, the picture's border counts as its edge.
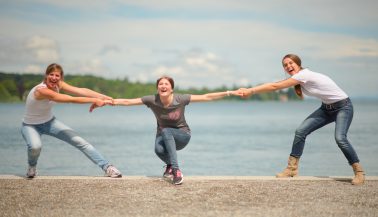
(228, 93)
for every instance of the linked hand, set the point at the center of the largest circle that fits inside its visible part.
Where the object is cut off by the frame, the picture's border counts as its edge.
(236, 93)
(244, 92)
(98, 103)
(109, 102)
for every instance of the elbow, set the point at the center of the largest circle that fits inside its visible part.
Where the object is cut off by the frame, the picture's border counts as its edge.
(275, 87)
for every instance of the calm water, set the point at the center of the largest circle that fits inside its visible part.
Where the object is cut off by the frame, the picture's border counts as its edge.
(228, 138)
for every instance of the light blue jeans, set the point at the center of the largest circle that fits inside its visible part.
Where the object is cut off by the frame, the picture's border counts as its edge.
(167, 142)
(342, 114)
(32, 136)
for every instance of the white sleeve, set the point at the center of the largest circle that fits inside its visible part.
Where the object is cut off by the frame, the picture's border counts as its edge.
(300, 76)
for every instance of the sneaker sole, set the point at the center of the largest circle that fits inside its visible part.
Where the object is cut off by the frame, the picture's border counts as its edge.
(168, 176)
(118, 176)
(179, 183)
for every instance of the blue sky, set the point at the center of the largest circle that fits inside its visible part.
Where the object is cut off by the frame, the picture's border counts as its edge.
(199, 42)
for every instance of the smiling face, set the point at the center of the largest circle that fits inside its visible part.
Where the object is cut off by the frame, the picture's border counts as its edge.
(53, 78)
(164, 87)
(290, 66)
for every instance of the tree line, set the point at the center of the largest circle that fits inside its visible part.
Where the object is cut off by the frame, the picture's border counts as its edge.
(14, 87)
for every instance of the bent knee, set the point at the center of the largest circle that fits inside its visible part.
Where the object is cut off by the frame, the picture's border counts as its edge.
(35, 147)
(35, 150)
(166, 131)
(341, 139)
(159, 150)
(300, 132)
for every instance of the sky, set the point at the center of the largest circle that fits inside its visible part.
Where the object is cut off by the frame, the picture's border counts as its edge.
(200, 43)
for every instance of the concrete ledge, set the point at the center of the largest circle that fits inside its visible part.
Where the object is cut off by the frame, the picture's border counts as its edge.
(198, 178)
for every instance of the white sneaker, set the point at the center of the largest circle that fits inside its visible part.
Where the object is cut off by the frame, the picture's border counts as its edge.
(112, 172)
(32, 172)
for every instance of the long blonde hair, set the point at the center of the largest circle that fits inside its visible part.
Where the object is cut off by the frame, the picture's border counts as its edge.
(298, 61)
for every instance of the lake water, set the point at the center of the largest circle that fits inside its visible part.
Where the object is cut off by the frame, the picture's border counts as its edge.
(228, 138)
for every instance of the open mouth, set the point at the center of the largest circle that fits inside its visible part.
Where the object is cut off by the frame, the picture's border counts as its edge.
(52, 83)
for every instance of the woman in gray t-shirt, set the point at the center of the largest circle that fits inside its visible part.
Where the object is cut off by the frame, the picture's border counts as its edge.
(173, 133)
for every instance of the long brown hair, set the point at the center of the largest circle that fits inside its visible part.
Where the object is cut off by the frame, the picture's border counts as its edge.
(298, 61)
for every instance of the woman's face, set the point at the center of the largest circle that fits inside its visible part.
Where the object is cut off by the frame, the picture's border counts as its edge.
(164, 88)
(52, 79)
(290, 66)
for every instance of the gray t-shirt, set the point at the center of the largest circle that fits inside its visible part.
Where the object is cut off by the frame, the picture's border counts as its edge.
(172, 116)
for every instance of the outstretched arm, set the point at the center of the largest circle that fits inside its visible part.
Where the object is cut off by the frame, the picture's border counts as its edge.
(124, 102)
(268, 87)
(79, 91)
(214, 96)
(45, 93)
(128, 102)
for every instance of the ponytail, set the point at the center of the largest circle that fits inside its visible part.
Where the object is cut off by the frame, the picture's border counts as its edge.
(298, 91)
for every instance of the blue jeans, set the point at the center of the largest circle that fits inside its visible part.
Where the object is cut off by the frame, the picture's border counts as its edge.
(342, 114)
(167, 142)
(32, 136)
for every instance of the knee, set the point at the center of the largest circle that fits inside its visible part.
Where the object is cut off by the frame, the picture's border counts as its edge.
(299, 132)
(35, 149)
(165, 132)
(341, 139)
(80, 143)
(159, 150)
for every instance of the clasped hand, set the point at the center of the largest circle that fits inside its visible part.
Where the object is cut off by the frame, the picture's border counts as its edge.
(101, 103)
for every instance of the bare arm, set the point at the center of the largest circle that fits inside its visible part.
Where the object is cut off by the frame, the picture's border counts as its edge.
(45, 93)
(82, 91)
(214, 96)
(128, 102)
(124, 102)
(268, 87)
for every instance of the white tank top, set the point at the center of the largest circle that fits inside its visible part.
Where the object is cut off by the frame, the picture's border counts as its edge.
(37, 111)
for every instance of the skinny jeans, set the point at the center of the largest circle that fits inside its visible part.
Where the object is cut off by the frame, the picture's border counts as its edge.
(167, 142)
(32, 135)
(341, 113)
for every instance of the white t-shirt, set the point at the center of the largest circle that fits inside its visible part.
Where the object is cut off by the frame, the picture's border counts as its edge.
(320, 86)
(37, 111)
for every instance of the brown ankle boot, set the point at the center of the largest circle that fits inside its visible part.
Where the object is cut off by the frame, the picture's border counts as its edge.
(359, 175)
(291, 170)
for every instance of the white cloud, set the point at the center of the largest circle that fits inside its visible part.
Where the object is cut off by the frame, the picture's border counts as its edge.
(36, 69)
(199, 51)
(192, 68)
(93, 66)
(43, 49)
(109, 50)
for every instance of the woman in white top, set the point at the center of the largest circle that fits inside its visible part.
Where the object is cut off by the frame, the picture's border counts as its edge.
(38, 119)
(336, 107)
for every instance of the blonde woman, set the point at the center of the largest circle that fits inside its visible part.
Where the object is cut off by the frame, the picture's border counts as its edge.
(39, 120)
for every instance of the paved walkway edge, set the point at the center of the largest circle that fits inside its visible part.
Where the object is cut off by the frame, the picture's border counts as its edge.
(200, 178)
